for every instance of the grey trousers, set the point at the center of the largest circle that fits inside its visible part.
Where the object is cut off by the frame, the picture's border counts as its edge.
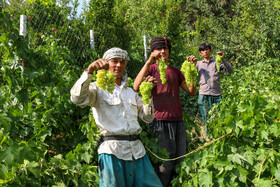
(172, 136)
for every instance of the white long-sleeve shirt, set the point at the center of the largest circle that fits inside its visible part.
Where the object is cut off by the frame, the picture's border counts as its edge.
(114, 114)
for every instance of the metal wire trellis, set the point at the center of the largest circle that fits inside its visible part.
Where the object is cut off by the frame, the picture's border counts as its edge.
(60, 22)
(38, 19)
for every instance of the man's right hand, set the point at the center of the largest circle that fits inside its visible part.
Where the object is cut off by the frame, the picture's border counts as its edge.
(98, 64)
(192, 59)
(155, 55)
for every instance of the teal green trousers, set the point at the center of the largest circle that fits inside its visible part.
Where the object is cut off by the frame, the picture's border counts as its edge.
(205, 102)
(114, 172)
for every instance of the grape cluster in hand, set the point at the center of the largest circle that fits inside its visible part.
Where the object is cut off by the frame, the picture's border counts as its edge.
(106, 80)
(218, 62)
(190, 72)
(146, 91)
(111, 80)
(162, 69)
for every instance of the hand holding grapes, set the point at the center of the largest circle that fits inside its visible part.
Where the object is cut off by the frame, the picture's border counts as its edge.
(192, 59)
(219, 59)
(98, 64)
(105, 78)
(146, 88)
(222, 54)
(189, 70)
(151, 79)
(155, 55)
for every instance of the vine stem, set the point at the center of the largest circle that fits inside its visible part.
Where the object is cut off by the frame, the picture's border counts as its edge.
(261, 169)
(197, 149)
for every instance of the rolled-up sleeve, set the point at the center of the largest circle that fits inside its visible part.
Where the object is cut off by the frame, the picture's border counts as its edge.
(226, 66)
(145, 112)
(83, 93)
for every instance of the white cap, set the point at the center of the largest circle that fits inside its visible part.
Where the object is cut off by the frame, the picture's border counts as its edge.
(116, 52)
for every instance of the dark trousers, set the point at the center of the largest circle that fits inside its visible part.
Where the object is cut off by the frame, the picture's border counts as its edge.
(172, 136)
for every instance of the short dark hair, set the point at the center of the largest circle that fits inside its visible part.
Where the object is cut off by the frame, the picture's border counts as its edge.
(204, 46)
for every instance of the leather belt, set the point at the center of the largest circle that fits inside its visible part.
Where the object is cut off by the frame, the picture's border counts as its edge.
(131, 137)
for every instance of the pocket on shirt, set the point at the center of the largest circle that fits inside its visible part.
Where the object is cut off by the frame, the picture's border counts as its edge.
(112, 100)
(133, 106)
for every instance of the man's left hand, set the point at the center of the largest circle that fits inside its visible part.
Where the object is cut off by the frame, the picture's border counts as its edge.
(151, 79)
(192, 59)
(222, 54)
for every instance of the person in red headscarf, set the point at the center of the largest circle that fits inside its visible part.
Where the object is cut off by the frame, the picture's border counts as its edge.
(168, 126)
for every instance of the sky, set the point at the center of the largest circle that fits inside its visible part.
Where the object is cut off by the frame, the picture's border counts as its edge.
(81, 2)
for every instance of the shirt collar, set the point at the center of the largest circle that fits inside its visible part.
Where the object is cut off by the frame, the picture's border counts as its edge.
(211, 60)
(123, 84)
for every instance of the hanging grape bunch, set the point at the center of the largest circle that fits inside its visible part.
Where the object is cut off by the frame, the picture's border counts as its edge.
(190, 72)
(194, 73)
(106, 80)
(146, 91)
(162, 69)
(218, 62)
(111, 79)
(129, 82)
(101, 79)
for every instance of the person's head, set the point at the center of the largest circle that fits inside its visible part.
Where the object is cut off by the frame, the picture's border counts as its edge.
(205, 50)
(117, 59)
(162, 45)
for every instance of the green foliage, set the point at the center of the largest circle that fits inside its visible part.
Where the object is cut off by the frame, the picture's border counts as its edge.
(124, 23)
(42, 142)
(150, 142)
(245, 30)
(45, 140)
(249, 109)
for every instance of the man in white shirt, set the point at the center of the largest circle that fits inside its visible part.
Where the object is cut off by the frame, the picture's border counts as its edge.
(122, 156)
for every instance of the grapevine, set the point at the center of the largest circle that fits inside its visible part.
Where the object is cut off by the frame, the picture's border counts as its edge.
(218, 62)
(162, 69)
(145, 90)
(106, 80)
(190, 72)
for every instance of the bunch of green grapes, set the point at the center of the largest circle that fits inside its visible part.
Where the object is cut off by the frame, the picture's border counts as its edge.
(101, 81)
(218, 62)
(129, 82)
(106, 80)
(190, 72)
(111, 80)
(162, 69)
(146, 91)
